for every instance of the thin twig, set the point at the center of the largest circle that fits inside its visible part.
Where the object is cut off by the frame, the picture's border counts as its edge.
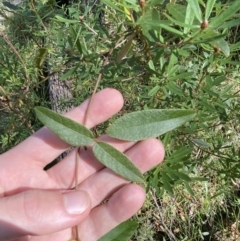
(172, 236)
(5, 37)
(77, 159)
(206, 151)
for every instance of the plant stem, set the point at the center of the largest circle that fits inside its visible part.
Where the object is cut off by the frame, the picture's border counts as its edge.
(169, 232)
(6, 39)
(77, 159)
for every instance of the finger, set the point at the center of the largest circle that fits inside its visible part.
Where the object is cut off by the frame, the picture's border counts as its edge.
(64, 172)
(44, 146)
(37, 212)
(145, 155)
(121, 206)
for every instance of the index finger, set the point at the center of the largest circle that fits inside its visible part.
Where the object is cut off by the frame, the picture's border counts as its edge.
(44, 146)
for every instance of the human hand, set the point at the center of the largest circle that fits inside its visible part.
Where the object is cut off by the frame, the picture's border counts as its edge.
(37, 205)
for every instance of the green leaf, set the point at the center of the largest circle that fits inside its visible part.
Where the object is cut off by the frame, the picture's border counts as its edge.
(180, 23)
(209, 37)
(225, 15)
(145, 124)
(41, 56)
(10, 5)
(209, 7)
(200, 179)
(150, 18)
(189, 189)
(219, 80)
(122, 232)
(223, 45)
(68, 130)
(153, 3)
(201, 143)
(170, 29)
(117, 162)
(69, 73)
(181, 76)
(121, 54)
(173, 60)
(207, 106)
(177, 11)
(65, 20)
(154, 90)
(180, 154)
(230, 24)
(112, 5)
(189, 17)
(174, 88)
(236, 46)
(166, 185)
(76, 41)
(151, 65)
(196, 9)
(183, 176)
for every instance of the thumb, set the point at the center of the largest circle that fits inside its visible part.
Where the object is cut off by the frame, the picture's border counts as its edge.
(39, 212)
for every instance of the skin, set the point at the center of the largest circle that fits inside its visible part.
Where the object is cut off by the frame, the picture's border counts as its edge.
(31, 202)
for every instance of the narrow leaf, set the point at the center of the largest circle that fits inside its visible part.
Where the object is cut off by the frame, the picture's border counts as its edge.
(188, 18)
(189, 189)
(41, 56)
(183, 176)
(201, 143)
(173, 60)
(68, 130)
(235, 46)
(175, 88)
(125, 48)
(230, 24)
(69, 73)
(223, 45)
(10, 5)
(154, 90)
(180, 23)
(178, 11)
(117, 162)
(122, 232)
(196, 9)
(144, 124)
(112, 5)
(209, 7)
(225, 15)
(200, 179)
(166, 185)
(170, 29)
(65, 20)
(209, 39)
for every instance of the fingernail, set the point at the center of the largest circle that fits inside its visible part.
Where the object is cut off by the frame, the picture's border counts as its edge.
(76, 202)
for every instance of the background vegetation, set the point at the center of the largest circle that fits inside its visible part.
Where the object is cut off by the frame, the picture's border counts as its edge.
(164, 54)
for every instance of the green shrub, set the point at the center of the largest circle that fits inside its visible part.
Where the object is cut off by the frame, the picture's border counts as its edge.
(161, 54)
